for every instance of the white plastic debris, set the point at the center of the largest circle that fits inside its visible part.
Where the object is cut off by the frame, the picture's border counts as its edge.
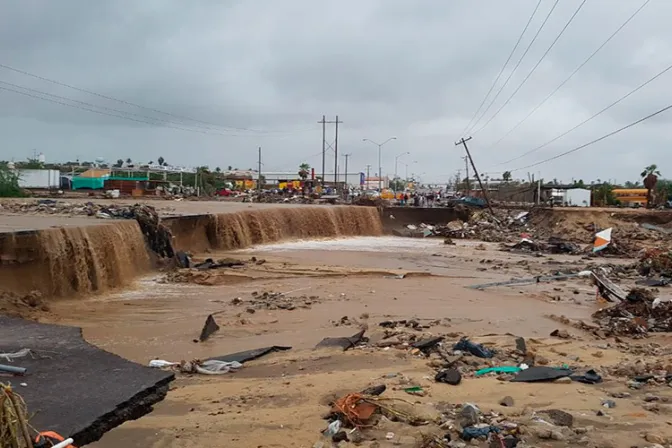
(214, 367)
(11, 356)
(161, 363)
(333, 428)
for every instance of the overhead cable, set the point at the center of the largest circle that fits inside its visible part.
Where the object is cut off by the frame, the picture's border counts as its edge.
(572, 74)
(634, 123)
(659, 74)
(527, 25)
(128, 103)
(508, 100)
(508, 78)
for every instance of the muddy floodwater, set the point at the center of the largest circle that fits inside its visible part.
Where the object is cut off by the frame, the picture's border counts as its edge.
(340, 285)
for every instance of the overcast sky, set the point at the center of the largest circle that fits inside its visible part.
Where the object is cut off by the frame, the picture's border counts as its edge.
(414, 69)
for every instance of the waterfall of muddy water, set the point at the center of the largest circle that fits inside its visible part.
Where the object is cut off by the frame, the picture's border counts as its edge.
(244, 229)
(62, 262)
(251, 227)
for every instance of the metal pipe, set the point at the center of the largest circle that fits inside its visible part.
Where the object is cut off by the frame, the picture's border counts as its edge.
(13, 369)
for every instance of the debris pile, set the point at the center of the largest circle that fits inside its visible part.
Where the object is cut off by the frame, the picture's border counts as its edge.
(637, 315)
(655, 261)
(54, 207)
(280, 301)
(22, 305)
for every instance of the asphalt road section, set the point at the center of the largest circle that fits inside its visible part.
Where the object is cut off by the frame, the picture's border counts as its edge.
(74, 388)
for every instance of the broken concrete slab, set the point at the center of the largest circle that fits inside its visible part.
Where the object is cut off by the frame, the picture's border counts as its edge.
(75, 388)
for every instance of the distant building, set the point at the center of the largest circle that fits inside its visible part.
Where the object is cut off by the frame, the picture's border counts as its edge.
(91, 179)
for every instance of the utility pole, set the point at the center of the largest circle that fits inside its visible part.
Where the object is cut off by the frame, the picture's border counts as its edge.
(324, 143)
(478, 178)
(324, 124)
(336, 153)
(368, 175)
(466, 165)
(259, 172)
(345, 178)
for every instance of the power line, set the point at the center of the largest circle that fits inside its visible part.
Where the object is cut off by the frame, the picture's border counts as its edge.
(660, 111)
(533, 68)
(128, 103)
(100, 112)
(572, 74)
(102, 107)
(527, 25)
(508, 78)
(590, 118)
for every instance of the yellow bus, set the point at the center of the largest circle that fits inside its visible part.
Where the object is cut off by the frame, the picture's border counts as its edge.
(631, 196)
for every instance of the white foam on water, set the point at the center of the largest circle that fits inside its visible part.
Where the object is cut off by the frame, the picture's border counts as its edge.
(357, 244)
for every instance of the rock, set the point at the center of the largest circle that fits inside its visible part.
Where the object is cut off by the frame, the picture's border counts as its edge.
(356, 436)
(655, 438)
(598, 354)
(563, 380)
(560, 418)
(540, 360)
(543, 433)
(620, 394)
(506, 401)
(468, 416)
(632, 384)
(557, 435)
(610, 404)
(651, 407)
(562, 334)
(650, 397)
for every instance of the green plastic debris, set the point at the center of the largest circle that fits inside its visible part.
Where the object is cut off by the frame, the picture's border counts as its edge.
(503, 369)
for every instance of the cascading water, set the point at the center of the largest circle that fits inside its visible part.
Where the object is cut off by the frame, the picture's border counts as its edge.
(65, 262)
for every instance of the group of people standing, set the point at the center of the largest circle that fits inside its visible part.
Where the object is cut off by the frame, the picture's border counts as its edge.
(417, 199)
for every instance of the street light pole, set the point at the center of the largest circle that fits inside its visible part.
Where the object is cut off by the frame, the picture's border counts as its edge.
(380, 159)
(396, 162)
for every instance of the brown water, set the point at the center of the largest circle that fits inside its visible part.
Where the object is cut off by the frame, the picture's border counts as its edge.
(63, 262)
(75, 261)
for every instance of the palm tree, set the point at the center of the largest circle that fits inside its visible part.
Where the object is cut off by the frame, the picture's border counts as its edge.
(650, 177)
(304, 168)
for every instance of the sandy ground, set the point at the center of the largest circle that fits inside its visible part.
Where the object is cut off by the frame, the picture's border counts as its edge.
(278, 400)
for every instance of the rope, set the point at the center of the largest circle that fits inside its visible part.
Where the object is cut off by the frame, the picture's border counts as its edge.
(14, 431)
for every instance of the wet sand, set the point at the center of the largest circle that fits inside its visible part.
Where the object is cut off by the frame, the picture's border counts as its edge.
(278, 400)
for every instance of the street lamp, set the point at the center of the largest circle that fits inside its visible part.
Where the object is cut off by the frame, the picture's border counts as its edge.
(380, 159)
(406, 166)
(396, 162)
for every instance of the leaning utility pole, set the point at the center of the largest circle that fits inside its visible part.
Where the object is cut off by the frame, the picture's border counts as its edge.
(259, 172)
(478, 178)
(336, 153)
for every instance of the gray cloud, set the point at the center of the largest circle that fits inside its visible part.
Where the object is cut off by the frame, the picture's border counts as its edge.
(416, 70)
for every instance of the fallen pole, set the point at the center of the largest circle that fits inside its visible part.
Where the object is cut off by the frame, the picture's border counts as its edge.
(531, 280)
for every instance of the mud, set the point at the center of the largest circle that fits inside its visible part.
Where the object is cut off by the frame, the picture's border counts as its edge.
(359, 283)
(278, 400)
